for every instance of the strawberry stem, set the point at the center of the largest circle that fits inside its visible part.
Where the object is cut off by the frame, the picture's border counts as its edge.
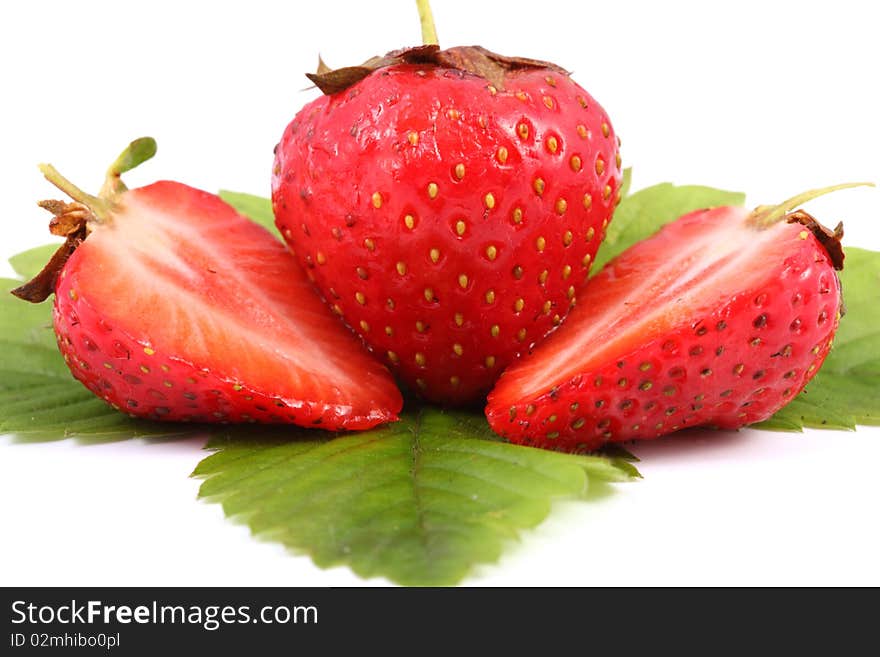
(767, 215)
(99, 207)
(429, 32)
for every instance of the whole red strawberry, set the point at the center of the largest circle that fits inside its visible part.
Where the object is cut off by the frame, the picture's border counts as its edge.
(719, 319)
(447, 205)
(171, 306)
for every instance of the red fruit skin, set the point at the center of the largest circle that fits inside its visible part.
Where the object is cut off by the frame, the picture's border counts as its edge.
(110, 352)
(351, 167)
(734, 363)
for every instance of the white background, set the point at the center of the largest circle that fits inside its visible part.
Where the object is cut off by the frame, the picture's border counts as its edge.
(771, 98)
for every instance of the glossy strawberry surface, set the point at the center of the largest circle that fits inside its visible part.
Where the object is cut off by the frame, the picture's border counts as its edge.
(712, 321)
(178, 308)
(449, 222)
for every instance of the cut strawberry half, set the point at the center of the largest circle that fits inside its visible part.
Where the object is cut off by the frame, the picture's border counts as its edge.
(175, 307)
(719, 319)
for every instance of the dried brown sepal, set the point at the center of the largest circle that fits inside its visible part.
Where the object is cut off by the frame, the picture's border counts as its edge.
(70, 220)
(475, 60)
(339, 79)
(322, 67)
(829, 239)
(489, 65)
(43, 284)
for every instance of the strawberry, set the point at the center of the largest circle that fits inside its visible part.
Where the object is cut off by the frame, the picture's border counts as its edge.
(171, 306)
(447, 204)
(719, 319)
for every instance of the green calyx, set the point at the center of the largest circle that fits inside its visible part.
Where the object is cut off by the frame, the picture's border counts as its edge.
(135, 154)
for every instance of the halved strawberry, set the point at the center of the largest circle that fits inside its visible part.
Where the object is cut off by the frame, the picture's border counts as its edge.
(172, 306)
(721, 318)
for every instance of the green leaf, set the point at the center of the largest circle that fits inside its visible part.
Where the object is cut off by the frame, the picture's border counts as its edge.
(255, 208)
(424, 500)
(643, 213)
(420, 501)
(846, 391)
